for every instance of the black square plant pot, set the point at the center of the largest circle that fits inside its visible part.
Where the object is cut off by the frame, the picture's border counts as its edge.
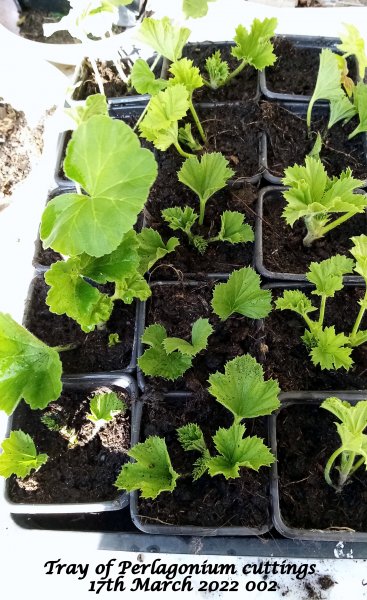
(297, 482)
(293, 76)
(91, 353)
(23, 418)
(279, 247)
(177, 400)
(286, 141)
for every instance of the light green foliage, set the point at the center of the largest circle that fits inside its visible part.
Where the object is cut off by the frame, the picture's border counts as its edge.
(53, 424)
(341, 109)
(50, 422)
(185, 136)
(132, 287)
(185, 73)
(328, 274)
(359, 251)
(296, 301)
(205, 177)
(180, 218)
(330, 351)
(235, 451)
(160, 124)
(360, 104)
(165, 38)
(315, 197)
(195, 8)
(104, 156)
(317, 147)
(19, 455)
(254, 46)
(156, 362)
(104, 407)
(201, 330)
(353, 440)
(243, 390)
(191, 437)
(353, 45)
(241, 294)
(143, 79)
(152, 248)
(152, 473)
(233, 229)
(29, 369)
(328, 83)
(92, 106)
(113, 339)
(217, 69)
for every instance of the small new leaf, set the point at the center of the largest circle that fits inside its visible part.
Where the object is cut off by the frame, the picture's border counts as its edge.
(327, 275)
(156, 362)
(104, 407)
(328, 83)
(331, 351)
(296, 301)
(254, 46)
(180, 218)
(184, 72)
(217, 69)
(143, 79)
(201, 330)
(132, 287)
(207, 176)
(234, 229)
(241, 294)
(19, 456)
(195, 8)
(152, 248)
(191, 437)
(359, 251)
(93, 105)
(152, 473)
(165, 38)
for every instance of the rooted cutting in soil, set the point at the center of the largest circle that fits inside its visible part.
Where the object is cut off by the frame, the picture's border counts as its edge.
(84, 473)
(92, 353)
(283, 249)
(284, 356)
(306, 500)
(210, 501)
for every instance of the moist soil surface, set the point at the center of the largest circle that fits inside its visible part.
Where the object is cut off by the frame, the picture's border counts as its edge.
(92, 353)
(284, 356)
(242, 87)
(307, 437)
(177, 307)
(83, 473)
(301, 63)
(283, 249)
(288, 141)
(219, 257)
(20, 147)
(210, 501)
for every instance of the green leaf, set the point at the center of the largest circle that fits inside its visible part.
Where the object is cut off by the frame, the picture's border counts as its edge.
(71, 295)
(201, 330)
(243, 390)
(317, 147)
(241, 294)
(353, 44)
(353, 417)
(104, 407)
(113, 339)
(331, 351)
(184, 72)
(217, 69)
(352, 442)
(19, 456)
(143, 79)
(359, 251)
(358, 338)
(132, 287)
(165, 38)
(255, 46)
(186, 137)
(156, 362)
(191, 437)
(328, 83)
(341, 109)
(28, 368)
(233, 229)
(93, 105)
(122, 262)
(195, 8)
(104, 156)
(152, 248)
(180, 218)
(327, 275)
(296, 301)
(236, 451)
(207, 176)
(152, 473)
(160, 124)
(360, 101)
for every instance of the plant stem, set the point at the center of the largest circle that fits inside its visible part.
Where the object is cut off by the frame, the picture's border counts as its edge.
(78, 187)
(236, 72)
(206, 82)
(309, 114)
(329, 466)
(97, 75)
(181, 151)
(359, 317)
(141, 117)
(202, 211)
(120, 71)
(156, 61)
(338, 221)
(197, 121)
(65, 348)
(322, 310)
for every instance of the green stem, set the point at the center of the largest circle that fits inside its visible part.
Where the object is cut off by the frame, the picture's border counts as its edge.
(156, 61)
(202, 211)
(337, 222)
(206, 82)
(234, 73)
(309, 114)
(345, 470)
(311, 324)
(322, 310)
(181, 151)
(65, 348)
(357, 465)
(141, 117)
(359, 317)
(197, 121)
(329, 466)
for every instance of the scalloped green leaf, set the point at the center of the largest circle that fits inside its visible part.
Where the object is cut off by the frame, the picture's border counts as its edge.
(201, 330)
(241, 294)
(254, 46)
(164, 37)
(19, 456)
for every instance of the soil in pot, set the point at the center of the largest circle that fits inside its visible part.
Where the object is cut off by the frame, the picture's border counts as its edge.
(220, 257)
(284, 356)
(283, 249)
(289, 142)
(83, 473)
(306, 438)
(210, 501)
(295, 70)
(242, 87)
(31, 23)
(177, 307)
(113, 85)
(92, 353)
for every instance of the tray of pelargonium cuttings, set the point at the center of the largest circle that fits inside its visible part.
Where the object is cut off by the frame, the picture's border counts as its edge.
(319, 477)
(293, 76)
(322, 326)
(68, 438)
